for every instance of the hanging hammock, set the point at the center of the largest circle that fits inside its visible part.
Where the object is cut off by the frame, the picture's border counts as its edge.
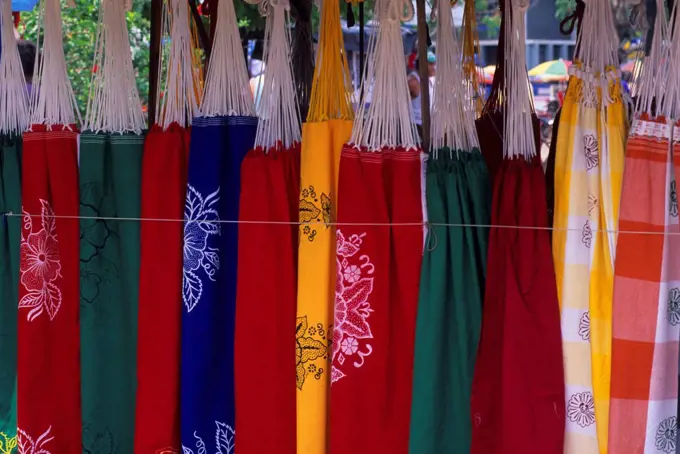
(14, 119)
(220, 138)
(48, 400)
(517, 403)
(327, 128)
(454, 261)
(588, 170)
(379, 250)
(111, 148)
(646, 301)
(164, 179)
(267, 258)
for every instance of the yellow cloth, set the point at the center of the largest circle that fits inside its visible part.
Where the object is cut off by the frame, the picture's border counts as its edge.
(321, 147)
(588, 173)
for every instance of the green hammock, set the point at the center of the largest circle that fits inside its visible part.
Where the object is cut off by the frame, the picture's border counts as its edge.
(110, 187)
(10, 239)
(450, 302)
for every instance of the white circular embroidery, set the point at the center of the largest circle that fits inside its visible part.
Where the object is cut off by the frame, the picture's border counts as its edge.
(581, 409)
(666, 435)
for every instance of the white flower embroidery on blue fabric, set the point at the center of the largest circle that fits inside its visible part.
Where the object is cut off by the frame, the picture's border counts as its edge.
(200, 224)
(224, 441)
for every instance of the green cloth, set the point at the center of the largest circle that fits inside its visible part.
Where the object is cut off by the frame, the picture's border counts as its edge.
(10, 240)
(110, 187)
(450, 303)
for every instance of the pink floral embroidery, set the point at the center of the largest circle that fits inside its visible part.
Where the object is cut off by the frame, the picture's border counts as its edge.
(353, 286)
(26, 444)
(40, 265)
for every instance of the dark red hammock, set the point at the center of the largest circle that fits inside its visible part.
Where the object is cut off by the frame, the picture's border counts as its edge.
(164, 178)
(48, 397)
(378, 276)
(517, 402)
(266, 302)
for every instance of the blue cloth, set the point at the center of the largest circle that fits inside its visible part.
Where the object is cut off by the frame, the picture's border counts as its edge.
(218, 145)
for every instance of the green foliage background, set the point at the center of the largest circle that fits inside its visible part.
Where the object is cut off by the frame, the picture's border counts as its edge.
(80, 31)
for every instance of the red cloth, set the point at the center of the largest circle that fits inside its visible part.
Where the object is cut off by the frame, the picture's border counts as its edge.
(517, 402)
(49, 291)
(378, 275)
(164, 179)
(266, 303)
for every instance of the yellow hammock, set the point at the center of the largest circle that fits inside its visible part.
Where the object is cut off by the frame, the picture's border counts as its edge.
(328, 127)
(588, 172)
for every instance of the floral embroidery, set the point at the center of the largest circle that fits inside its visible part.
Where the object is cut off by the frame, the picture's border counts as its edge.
(666, 435)
(224, 441)
(310, 346)
(40, 265)
(584, 326)
(168, 451)
(314, 208)
(7, 444)
(27, 445)
(352, 308)
(592, 203)
(201, 223)
(673, 311)
(590, 149)
(674, 200)
(581, 409)
(587, 235)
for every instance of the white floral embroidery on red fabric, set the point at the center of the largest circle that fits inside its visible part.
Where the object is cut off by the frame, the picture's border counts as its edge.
(40, 265)
(353, 286)
(26, 444)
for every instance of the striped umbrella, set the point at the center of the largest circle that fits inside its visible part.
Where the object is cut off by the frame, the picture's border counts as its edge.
(551, 71)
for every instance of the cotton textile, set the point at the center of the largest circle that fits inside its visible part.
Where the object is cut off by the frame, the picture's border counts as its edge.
(450, 302)
(110, 187)
(322, 144)
(10, 237)
(266, 301)
(218, 145)
(376, 299)
(517, 403)
(164, 179)
(646, 322)
(48, 398)
(588, 171)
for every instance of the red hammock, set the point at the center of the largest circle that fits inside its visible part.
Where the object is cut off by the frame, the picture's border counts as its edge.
(266, 302)
(164, 178)
(517, 402)
(48, 332)
(378, 274)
